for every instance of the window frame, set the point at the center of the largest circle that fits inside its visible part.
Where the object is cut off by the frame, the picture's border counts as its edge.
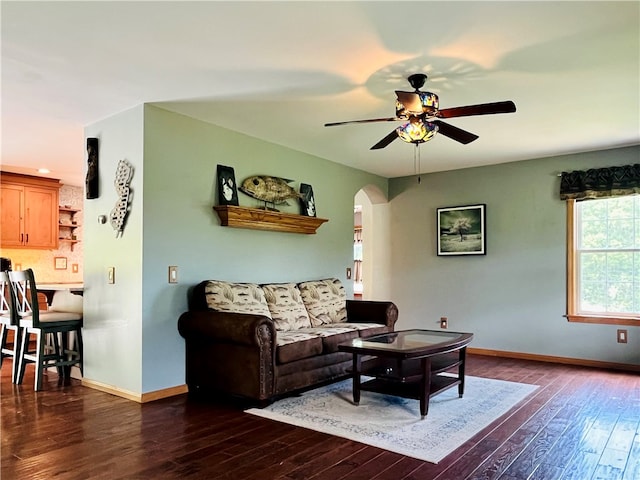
(572, 281)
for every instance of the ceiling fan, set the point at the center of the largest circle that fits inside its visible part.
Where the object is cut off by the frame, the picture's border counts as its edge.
(422, 113)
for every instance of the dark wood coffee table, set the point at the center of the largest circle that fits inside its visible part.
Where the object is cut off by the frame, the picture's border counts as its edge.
(407, 363)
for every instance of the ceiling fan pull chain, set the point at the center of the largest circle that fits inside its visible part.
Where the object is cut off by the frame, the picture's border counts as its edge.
(419, 166)
(416, 161)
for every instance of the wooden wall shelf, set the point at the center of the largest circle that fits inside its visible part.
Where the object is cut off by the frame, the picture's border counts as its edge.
(256, 219)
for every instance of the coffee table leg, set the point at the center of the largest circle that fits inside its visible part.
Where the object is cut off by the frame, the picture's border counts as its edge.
(463, 356)
(425, 387)
(356, 379)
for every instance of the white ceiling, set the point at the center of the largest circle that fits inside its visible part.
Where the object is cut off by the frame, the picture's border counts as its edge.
(279, 70)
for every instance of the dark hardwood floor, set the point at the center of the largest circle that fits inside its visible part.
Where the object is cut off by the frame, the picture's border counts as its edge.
(581, 424)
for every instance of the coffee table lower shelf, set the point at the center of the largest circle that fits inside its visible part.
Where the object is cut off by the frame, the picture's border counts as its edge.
(411, 389)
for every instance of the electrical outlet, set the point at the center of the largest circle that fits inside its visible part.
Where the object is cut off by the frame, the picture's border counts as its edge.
(444, 323)
(111, 275)
(17, 267)
(173, 274)
(348, 273)
(622, 336)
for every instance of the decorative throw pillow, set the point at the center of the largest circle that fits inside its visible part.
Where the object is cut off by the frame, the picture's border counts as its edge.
(236, 298)
(286, 306)
(325, 300)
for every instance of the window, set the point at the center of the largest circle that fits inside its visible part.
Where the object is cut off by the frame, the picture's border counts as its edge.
(604, 260)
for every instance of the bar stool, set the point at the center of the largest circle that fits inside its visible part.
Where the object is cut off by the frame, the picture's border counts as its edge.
(7, 324)
(24, 298)
(64, 301)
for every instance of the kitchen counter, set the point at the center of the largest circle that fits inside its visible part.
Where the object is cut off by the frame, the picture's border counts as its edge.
(71, 286)
(48, 289)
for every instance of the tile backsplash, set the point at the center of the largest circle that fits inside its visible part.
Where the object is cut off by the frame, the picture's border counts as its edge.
(43, 261)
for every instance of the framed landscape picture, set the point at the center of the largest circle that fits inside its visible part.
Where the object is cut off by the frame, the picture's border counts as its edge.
(461, 230)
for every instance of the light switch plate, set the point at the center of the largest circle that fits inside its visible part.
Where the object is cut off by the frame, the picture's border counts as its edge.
(173, 274)
(111, 275)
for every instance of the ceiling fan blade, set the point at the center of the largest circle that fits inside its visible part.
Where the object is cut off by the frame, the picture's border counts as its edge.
(455, 133)
(481, 109)
(410, 101)
(369, 120)
(385, 141)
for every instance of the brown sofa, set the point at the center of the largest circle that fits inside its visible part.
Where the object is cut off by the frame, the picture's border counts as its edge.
(264, 341)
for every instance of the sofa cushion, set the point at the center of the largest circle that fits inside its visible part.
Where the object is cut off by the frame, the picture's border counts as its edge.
(332, 336)
(325, 300)
(286, 306)
(294, 345)
(236, 298)
(365, 329)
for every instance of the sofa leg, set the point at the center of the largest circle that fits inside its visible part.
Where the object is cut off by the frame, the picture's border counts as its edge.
(264, 403)
(194, 391)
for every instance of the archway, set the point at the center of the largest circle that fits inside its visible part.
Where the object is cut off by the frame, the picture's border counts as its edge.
(372, 244)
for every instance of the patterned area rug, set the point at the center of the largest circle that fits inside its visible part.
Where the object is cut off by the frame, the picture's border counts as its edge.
(394, 423)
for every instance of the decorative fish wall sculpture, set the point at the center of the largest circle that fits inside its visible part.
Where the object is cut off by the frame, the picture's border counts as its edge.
(273, 190)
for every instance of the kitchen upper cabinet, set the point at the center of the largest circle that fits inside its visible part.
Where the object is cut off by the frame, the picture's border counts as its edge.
(29, 211)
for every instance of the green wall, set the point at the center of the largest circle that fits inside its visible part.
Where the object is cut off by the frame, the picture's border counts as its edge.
(514, 298)
(175, 189)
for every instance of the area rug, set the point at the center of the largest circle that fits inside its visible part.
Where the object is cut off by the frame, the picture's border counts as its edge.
(394, 423)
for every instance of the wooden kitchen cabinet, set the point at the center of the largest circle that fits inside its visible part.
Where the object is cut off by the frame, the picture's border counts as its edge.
(29, 211)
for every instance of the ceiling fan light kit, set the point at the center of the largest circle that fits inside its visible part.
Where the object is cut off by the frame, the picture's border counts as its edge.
(422, 109)
(417, 131)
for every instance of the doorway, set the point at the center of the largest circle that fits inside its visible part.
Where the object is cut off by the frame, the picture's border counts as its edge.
(358, 286)
(372, 245)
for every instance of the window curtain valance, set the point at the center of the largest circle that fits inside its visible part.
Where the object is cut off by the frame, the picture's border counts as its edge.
(600, 182)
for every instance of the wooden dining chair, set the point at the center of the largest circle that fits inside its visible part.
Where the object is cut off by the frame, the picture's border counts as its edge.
(36, 324)
(8, 324)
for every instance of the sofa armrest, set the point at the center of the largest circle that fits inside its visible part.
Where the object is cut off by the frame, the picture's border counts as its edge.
(238, 328)
(233, 353)
(369, 311)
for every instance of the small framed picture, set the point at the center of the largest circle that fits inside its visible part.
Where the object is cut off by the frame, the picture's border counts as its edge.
(60, 263)
(461, 230)
(227, 189)
(307, 201)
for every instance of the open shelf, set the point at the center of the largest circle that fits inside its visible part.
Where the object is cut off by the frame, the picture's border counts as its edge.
(68, 209)
(67, 224)
(257, 219)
